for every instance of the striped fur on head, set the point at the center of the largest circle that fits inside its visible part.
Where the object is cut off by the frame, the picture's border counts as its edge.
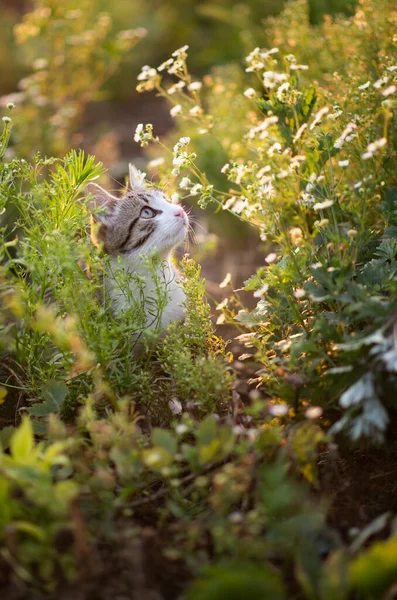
(141, 222)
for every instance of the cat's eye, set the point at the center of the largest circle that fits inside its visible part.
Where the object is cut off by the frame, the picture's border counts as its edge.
(148, 213)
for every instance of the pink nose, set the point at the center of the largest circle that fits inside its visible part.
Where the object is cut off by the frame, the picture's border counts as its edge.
(180, 213)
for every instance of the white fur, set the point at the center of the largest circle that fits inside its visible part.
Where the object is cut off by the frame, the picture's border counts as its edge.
(171, 230)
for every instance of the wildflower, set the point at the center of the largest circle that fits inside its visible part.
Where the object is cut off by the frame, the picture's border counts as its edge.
(185, 183)
(144, 134)
(196, 110)
(156, 162)
(229, 203)
(6, 120)
(226, 281)
(389, 91)
(316, 265)
(352, 233)
(195, 86)
(350, 127)
(272, 79)
(295, 67)
(267, 190)
(299, 293)
(343, 163)
(323, 205)
(262, 291)
(196, 189)
(298, 134)
(281, 90)
(146, 73)
(177, 87)
(166, 65)
(307, 199)
(176, 110)
(222, 304)
(225, 168)
(322, 223)
(364, 86)
(249, 93)
(181, 52)
(181, 429)
(313, 412)
(278, 410)
(296, 235)
(319, 115)
(373, 147)
(381, 82)
(270, 258)
(175, 198)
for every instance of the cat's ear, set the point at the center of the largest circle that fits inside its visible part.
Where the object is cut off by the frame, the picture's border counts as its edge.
(137, 178)
(100, 199)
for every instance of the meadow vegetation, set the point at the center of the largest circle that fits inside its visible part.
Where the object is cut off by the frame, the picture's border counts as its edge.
(148, 476)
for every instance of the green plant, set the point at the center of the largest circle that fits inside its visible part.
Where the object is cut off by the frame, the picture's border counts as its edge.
(314, 172)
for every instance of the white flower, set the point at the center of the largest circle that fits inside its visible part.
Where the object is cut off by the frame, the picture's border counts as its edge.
(144, 134)
(195, 86)
(281, 90)
(225, 168)
(180, 51)
(196, 110)
(278, 410)
(307, 199)
(319, 115)
(316, 265)
(175, 198)
(389, 91)
(262, 291)
(177, 87)
(185, 182)
(313, 412)
(176, 110)
(166, 65)
(272, 79)
(226, 281)
(270, 258)
(343, 163)
(299, 293)
(295, 67)
(6, 120)
(184, 141)
(364, 86)
(373, 147)
(156, 162)
(181, 429)
(196, 189)
(350, 127)
(299, 132)
(249, 93)
(146, 73)
(323, 205)
(382, 81)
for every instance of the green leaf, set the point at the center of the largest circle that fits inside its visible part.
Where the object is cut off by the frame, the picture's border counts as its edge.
(207, 431)
(22, 441)
(165, 439)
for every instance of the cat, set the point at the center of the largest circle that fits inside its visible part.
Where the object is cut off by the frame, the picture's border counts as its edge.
(140, 224)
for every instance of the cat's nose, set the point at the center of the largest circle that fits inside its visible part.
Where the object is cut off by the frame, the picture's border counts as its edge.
(180, 213)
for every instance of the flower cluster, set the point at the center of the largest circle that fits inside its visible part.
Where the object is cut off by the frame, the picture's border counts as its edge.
(144, 134)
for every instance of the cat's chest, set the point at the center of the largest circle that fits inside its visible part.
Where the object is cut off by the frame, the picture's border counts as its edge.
(159, 293)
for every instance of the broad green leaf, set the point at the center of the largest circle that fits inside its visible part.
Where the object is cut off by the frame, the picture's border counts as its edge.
(165, 439)
(22, 441)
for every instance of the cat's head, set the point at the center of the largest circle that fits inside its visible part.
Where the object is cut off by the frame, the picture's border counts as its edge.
(141, 222)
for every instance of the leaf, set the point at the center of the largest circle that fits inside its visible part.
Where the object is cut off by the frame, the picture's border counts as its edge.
(361, 390)
(376, 526)
(165, 439)
(55, 392)
(375, 570)
(206, 431)
(22, 441)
